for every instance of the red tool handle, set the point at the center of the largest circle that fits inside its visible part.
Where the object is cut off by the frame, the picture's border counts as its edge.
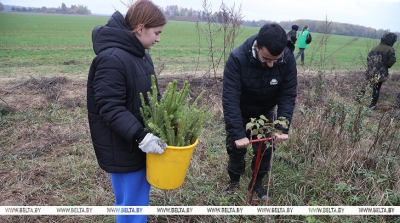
(260, 140)
(257, 164)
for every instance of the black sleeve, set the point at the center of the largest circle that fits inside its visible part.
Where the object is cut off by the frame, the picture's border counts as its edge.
(231, 93)
(109, 86)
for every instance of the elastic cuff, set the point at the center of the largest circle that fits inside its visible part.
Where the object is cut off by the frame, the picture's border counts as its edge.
(140, 135)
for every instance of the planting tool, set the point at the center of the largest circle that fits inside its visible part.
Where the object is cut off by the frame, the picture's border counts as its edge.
(256, 167)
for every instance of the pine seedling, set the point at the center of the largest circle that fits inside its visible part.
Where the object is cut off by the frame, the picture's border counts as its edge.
(173, 118)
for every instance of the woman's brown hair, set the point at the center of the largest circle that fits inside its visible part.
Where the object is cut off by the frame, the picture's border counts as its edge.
(305, 27)
(145, 12)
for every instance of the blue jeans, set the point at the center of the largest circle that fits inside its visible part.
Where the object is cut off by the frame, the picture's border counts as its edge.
(131, 189)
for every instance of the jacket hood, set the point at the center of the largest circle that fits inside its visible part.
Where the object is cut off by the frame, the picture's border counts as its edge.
(116, 33)
(247, 48)
(389, 39)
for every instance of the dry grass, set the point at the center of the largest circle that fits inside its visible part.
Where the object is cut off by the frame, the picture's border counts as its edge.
(46, 156)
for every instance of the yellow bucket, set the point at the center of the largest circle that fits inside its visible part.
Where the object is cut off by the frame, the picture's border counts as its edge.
(167, 171)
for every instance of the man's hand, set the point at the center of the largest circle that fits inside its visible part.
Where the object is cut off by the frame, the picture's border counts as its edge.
(242, 143)
(152, 144)
(281, 137)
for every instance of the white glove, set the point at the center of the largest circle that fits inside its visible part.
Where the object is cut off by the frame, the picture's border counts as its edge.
(152, 144)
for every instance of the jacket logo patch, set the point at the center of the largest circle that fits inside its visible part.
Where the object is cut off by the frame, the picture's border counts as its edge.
(273, 82)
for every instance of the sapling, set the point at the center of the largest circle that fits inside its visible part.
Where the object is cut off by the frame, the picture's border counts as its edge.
(173, 118)
(263, 128)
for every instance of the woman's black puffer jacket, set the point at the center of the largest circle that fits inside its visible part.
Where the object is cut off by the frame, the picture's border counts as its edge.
(118, 74)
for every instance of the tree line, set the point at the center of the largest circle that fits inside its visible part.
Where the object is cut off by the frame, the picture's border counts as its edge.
(174, 12)
(63, 9)
(337, 28)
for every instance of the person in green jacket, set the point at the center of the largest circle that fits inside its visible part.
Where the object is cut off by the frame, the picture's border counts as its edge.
(301, 43)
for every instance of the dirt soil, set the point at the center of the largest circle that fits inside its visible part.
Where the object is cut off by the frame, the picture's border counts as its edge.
(18, 96)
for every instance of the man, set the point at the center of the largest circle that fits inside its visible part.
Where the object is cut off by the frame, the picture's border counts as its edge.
(259, 75)
(292, 38)
(380, 59)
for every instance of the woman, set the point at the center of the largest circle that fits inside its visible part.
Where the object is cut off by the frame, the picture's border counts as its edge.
(118, 74)
(301, 43)
(292, 38)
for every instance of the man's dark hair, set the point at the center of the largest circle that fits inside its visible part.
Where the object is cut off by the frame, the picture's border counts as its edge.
(295, 27)
(273, 37)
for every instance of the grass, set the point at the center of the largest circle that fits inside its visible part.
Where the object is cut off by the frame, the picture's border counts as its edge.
(339, 153)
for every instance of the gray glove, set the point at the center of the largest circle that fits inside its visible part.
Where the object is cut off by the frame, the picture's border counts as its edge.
(152, 144)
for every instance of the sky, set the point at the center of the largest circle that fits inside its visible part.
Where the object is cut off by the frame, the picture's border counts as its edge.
(378, 14)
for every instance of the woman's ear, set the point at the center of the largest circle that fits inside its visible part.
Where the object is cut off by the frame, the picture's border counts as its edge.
(139, 29)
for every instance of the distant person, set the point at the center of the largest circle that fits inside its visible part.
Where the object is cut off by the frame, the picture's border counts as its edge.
(301, 43)
(292, 38)
(379, 60)
(121, 71)
(398, 100)
(259, 76)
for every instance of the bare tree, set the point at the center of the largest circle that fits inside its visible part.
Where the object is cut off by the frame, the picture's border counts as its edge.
(128, 3)
(227, 21)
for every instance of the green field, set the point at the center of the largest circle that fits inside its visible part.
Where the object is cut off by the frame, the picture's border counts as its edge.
(36, 44)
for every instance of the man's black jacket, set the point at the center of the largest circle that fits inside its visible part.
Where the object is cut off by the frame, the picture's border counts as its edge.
(381, 58)
(249, 89)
